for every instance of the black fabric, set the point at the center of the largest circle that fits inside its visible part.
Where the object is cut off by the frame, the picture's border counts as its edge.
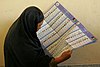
(22, 47)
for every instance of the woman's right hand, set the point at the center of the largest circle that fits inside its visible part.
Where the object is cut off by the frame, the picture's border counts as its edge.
(64, 56)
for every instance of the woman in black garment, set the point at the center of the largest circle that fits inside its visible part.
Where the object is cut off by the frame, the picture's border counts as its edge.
(22, 47)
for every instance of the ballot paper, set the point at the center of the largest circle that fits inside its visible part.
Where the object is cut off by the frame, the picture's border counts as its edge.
(61, 31)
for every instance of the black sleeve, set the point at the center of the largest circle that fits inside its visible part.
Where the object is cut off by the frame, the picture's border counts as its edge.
(44, 61)
(30, 57)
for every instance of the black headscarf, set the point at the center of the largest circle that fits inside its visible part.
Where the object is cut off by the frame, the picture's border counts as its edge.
(22, 47)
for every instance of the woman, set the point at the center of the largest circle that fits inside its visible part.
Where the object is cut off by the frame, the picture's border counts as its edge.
(22, 47)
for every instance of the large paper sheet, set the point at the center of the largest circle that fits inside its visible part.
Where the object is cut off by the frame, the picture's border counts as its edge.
(62, 31)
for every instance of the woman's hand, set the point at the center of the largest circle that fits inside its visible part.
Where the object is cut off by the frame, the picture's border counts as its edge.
(64, 56)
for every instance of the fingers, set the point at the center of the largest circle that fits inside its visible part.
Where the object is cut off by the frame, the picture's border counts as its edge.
(68, 51)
